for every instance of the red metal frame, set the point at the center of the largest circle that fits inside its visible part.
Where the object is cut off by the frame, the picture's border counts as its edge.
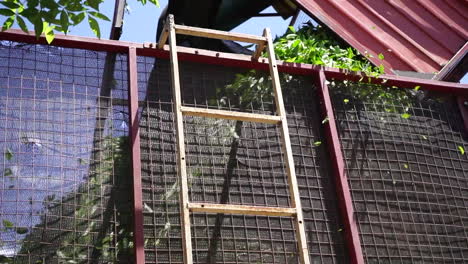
(229, 59)
(204, 56)
(341, 180)
(463, 106)
(136, 158)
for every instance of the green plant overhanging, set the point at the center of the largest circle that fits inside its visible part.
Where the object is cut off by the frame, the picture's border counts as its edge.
(317, 45)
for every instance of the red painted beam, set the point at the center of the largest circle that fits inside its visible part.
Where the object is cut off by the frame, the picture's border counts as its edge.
(463, 106)
(136, 159)
(341, 180)
(229, 59)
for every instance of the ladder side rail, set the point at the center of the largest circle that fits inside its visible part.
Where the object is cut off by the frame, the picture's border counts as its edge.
(181, 161)
(287, 150)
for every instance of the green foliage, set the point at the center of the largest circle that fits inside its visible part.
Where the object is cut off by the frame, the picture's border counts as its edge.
(316, 45)
(50, 16)
(247, 90)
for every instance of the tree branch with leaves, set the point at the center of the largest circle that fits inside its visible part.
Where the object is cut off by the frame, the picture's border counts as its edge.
(49, 17)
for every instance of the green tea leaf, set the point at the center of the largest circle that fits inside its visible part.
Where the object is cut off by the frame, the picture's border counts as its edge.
(7, 172)
(461, 149)
(381, 56)
(7, 224)
(417, 87)
(10, 5)
(38, 26)
(8, 23)
(82, 161)
(94, 3)
(8, 154)
(64, 22)
(48, 32)
(6, 12)
(77, 18)
(346, 101)
(405, 166)
(155, 2)
(21, 230)
(148, 208)
(22, 24)
(324, 121)
(94, 25)
(99, 15)
(317, 143)
(405, 115)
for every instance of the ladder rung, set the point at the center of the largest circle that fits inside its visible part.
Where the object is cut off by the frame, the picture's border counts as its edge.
(218, 34)
(241, 209)
(232, 115)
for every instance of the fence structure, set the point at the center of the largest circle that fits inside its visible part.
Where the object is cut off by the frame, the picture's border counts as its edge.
(89, 170)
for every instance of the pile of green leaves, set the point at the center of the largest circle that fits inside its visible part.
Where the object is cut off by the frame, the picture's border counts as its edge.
(317, 45)
(50, 16)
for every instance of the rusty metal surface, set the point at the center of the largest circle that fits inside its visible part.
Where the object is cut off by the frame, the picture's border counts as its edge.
(420, 35)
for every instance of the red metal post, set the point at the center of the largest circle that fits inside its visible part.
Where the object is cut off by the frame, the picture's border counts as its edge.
(136, 160)
(341, 181)
(463, 106)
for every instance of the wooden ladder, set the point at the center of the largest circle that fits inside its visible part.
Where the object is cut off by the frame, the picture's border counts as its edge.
(170, 30)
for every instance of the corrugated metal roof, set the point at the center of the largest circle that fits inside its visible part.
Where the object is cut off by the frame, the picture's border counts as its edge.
(413, 35)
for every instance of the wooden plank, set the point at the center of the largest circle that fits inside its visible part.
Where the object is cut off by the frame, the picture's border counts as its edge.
(241, 209)
(287, 151)
(218, 34)
(232, 115)
(258, 50)
(163, 37)
(179, 127)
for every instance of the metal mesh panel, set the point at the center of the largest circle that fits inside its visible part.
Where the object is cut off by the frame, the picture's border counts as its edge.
(236, 163)
(407, 172)
(64, 186)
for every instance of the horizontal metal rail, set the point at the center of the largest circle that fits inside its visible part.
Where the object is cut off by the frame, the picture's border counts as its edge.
(229, 59)
(241, 209)
(231, 115)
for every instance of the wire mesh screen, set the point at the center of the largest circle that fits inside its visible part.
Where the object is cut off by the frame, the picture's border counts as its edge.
(233, 162)
(408, 172)
(64, 186)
